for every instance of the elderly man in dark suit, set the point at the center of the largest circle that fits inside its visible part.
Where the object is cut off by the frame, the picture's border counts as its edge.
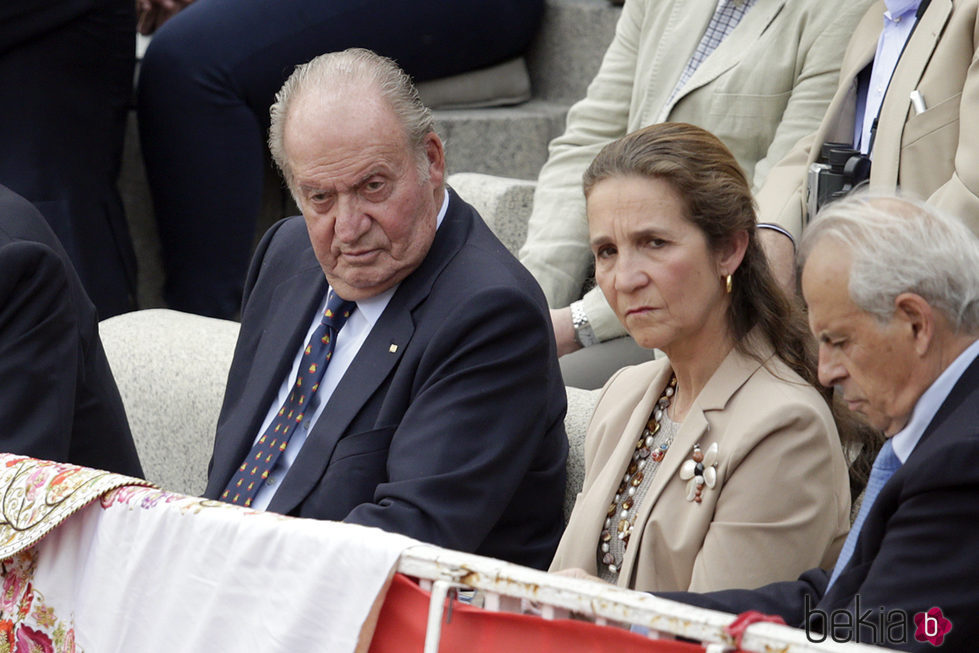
(893, 294)
(440, 411)
(58, 400)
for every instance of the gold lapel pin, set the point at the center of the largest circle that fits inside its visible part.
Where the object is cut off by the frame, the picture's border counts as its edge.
(393, 348)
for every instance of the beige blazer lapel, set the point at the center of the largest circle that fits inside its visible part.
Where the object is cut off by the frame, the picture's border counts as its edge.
(895, 111)
(693, 429)
(597, 504)
(662, 60)
(733, 372)
(732, 49)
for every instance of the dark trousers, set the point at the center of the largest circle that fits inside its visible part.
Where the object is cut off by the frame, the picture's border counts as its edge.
(66, 75)
(206, 85)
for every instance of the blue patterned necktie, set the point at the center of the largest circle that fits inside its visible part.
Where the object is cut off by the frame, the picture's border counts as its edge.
(250, 475)
(884, 467)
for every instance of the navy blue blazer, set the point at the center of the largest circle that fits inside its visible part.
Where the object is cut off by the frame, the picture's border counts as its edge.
(448, 426)
(58, 400)
(66, 74)
(917, 548)
(25, 20)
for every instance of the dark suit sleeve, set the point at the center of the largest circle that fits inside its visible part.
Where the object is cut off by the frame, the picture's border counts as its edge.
(926, 555)
(785, 599)
(920, 555)
(24, 20)
(469, 435)
(40, 350)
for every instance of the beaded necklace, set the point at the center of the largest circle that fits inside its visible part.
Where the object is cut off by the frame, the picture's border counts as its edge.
(623, 510)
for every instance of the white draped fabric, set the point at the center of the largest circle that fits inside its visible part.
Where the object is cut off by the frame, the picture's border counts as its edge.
(140, 569)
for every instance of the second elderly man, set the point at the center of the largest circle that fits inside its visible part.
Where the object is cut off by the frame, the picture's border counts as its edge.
(396, 365)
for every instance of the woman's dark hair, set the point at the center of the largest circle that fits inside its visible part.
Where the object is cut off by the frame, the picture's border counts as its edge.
(718, 200)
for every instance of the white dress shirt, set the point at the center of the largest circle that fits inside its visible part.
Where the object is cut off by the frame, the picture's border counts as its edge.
(899, 20)
(349, 340)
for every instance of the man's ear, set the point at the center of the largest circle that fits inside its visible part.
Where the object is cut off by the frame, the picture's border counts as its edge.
(435, 153)
(918, 316)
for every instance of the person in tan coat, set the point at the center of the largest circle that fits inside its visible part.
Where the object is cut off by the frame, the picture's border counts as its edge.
(720, 465)
(920, 145)
(765, 85)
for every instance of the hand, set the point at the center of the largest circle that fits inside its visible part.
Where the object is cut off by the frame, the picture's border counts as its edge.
(564, 331)
(577, 572)
(153, 13)
(781, 258)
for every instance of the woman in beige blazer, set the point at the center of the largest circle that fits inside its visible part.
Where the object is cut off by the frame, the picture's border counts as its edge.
(720, 465)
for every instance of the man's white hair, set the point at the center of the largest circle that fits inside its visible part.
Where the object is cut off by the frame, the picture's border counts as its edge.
(898, 245)
(355, 68)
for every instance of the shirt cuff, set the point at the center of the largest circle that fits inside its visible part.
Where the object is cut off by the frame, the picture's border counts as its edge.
(779, 228)
(603, 320)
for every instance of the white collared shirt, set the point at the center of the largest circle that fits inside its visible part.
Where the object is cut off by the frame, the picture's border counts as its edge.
(899, 20)
(905, 440)
(349, 341)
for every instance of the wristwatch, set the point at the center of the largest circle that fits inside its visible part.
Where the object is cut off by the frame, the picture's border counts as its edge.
(584, 335)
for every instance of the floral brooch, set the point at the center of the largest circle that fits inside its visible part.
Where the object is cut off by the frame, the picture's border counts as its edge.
(700, 470)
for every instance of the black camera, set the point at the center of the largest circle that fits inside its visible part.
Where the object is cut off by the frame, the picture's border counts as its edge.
(838, 170)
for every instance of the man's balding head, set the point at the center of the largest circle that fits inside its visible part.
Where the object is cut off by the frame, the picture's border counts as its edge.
(363, 163)
(339, 74)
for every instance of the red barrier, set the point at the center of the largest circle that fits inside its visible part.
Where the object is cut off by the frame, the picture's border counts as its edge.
(401, 629)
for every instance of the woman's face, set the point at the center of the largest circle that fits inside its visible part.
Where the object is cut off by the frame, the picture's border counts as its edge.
(654, 265)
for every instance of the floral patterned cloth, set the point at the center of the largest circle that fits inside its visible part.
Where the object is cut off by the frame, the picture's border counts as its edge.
(142, 569)
(37, 495)
(27, 623)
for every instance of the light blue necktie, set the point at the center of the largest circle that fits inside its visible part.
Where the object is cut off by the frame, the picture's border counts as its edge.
(884, 467)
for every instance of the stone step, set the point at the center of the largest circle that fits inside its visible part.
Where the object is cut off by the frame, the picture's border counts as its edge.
(512, 141)
(504, 141)
(569, 46)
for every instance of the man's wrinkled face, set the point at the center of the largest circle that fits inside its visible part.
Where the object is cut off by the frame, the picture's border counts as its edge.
(370, 212)
(871, 363)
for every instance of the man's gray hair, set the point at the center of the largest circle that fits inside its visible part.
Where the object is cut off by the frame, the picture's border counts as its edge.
(342, 71)
(898, 245)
